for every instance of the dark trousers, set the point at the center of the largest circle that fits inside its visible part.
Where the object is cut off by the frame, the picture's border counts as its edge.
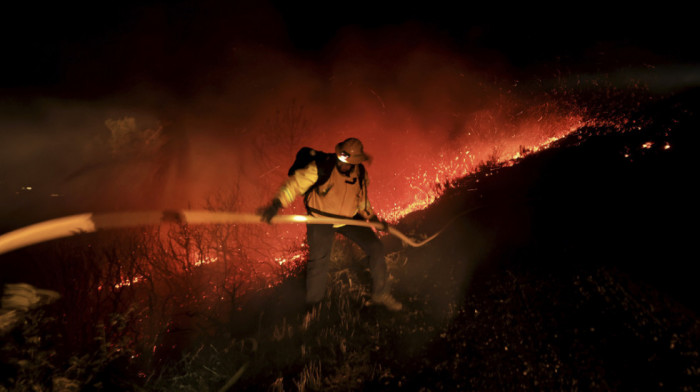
(320, 238)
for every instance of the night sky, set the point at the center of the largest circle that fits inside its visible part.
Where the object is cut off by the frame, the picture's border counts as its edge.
(87, 49)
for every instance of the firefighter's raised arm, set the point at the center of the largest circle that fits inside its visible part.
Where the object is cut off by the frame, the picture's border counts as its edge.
(297, 184)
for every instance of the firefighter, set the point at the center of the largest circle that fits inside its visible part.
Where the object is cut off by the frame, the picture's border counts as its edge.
(335, 185)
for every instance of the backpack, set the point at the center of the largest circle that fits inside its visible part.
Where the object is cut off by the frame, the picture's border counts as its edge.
(325, 162)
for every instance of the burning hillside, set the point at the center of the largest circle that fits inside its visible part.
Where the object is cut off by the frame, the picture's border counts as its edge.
(553, 159)
(568, 271)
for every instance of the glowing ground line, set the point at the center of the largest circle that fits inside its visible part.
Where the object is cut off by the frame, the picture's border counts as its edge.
(90, 222)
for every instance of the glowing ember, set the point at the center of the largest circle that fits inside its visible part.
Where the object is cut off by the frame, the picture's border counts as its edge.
(281, 260)
(206, 260)
(429, 183)
(647, 145)
(128, 282)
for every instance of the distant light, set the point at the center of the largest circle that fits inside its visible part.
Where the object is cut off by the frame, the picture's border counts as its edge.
(26, 188)
(647, 145)
(667, 146)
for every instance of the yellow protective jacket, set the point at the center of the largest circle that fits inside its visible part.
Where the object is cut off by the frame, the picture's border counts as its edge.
(342, 196)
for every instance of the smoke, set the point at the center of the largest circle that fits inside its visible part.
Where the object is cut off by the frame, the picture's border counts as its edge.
(179, 103)
(403, 90)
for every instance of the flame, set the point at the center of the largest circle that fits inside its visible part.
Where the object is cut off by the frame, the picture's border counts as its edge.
(433, 177)
(416, 191)
(205, 261)
(283, 260)
(125, 282)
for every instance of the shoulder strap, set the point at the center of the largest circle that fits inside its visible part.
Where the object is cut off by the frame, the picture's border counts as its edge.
(361, 175)
(325, 163)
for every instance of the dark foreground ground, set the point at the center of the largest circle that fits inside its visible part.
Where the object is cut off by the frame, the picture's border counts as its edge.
(571, 270)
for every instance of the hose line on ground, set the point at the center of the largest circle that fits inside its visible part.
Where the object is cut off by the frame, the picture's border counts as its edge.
(91, 222)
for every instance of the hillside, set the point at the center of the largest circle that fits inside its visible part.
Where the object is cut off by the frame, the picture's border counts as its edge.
(570, 269)
(574, 267)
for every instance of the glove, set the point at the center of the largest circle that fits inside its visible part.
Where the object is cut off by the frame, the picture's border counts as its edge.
(267, 213)
(376, 219)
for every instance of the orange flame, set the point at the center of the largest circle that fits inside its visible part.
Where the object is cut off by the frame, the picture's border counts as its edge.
(429, 182)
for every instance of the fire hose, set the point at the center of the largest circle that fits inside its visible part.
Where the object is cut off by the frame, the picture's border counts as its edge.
(91, 222)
